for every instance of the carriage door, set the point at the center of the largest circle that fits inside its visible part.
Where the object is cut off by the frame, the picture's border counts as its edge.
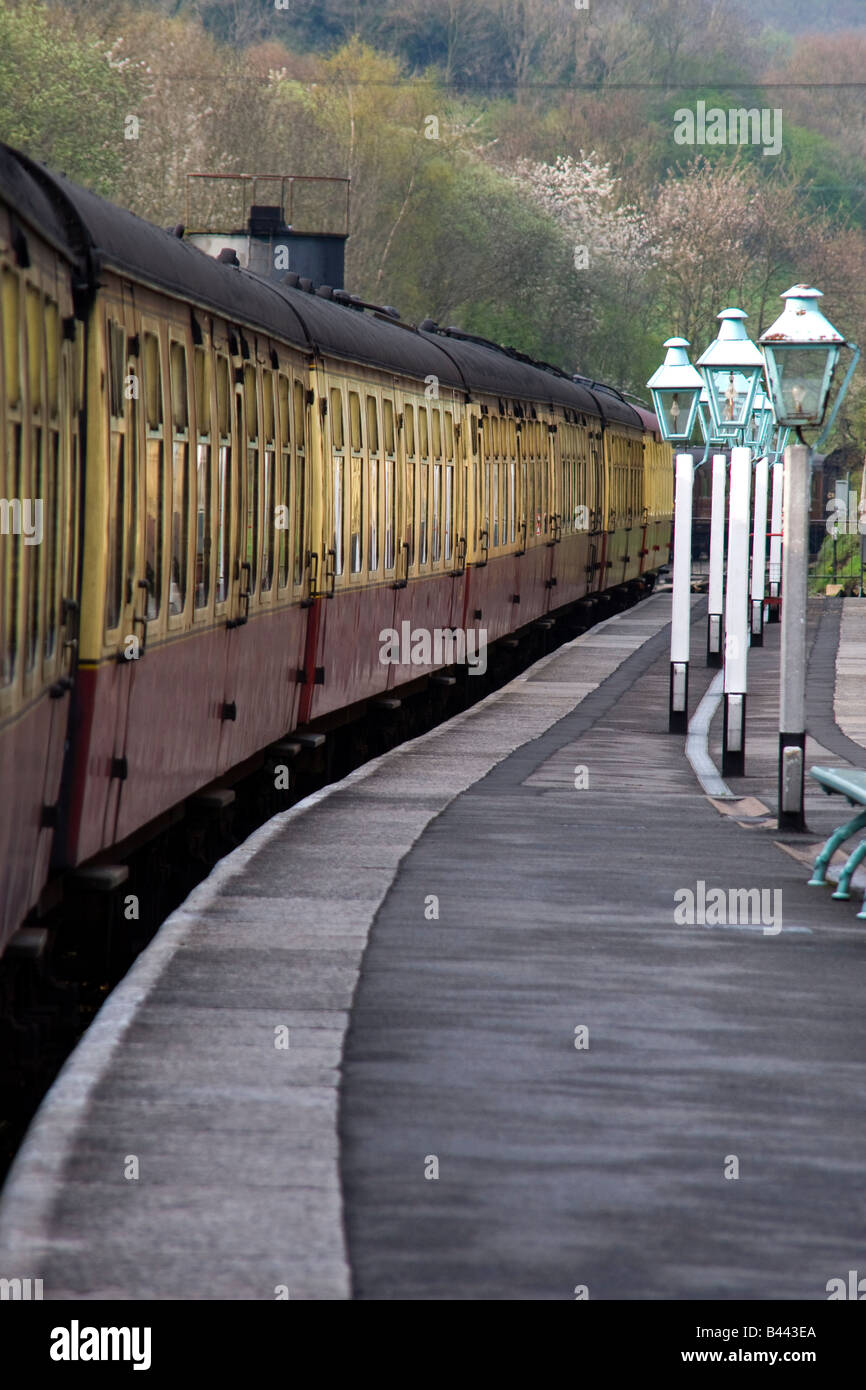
(132, 599)
(244, 563)
(597, 547)
(554, 513)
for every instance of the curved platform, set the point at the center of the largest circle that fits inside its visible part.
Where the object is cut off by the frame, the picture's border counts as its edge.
(549, 1083)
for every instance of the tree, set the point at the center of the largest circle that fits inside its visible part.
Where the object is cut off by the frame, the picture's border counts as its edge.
(64, 95)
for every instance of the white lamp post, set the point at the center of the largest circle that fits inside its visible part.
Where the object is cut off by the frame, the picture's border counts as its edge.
(758, 434)
(774, 575)
(774, 571)
(802, 352)
(675, 389)
(731, 368)
(759, 549)
(715, 591)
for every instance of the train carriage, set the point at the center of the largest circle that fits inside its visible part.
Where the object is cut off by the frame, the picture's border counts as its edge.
(41, 375)
(272, 482)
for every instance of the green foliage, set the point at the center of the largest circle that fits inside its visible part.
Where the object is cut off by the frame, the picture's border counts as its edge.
(444, 226)
(837, 562)
(60, 100)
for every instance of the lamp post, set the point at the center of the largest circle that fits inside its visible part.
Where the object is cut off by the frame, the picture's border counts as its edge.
(802, 351)
(731, 368)
(758, 435)
(780, 440)
(675, 388)
(759, 550)
(715, 590)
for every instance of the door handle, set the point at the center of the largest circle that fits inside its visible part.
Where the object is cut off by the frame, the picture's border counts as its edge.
(311, 569)
(71, 619)
(402, 549)
(461, 557)
(331, 572)
(484, 538)
(522, 548)
(246, 593)
(141, 618)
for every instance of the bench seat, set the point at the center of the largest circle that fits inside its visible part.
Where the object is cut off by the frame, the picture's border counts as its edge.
(850, 783)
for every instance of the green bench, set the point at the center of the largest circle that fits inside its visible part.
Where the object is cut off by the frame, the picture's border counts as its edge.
(850, 783)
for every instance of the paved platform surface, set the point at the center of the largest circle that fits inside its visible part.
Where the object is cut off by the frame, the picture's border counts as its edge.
(461, 907)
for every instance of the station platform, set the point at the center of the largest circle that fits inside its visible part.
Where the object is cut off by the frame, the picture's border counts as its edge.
(444, 1030)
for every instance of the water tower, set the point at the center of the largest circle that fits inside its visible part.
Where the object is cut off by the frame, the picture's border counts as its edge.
(273, 223)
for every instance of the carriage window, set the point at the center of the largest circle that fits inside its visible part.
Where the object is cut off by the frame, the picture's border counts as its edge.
(9, 302)
(251, 548)
(503, 494)
(203, 526)
(300, 480)
(179, 401)
(336, 418)
(202, 391)
(52, 355)
(33, 301)
(268, 407)
(423, 437)
(356, 516)
(409, 423)
(283, 397)
(389, 426)
(410, 513)
(203, 484)
(152, 381)
(422, 512)
(437, 488)
(338, 515)
(223, 396)
(154, 485)
(116, 351)
(355, 413)
(35, 557)
(485, 505)
(448, 508)
(373, 559)
(49, 540)
(495, 503)
(114, 580)
(269, 485)
(512, 500)
(372, 425)
(10, 567)
(179, 479)
(437, 433)
(300, 415)
(390, 514)
(449, 435)
(269, 522)
(154, 480)
(224, 471)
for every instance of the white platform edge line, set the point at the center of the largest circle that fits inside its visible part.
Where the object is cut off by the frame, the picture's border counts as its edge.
(698, 743)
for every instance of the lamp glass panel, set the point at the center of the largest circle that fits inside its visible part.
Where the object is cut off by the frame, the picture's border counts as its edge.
(675, 409)
(801, 381)
(731, 394)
